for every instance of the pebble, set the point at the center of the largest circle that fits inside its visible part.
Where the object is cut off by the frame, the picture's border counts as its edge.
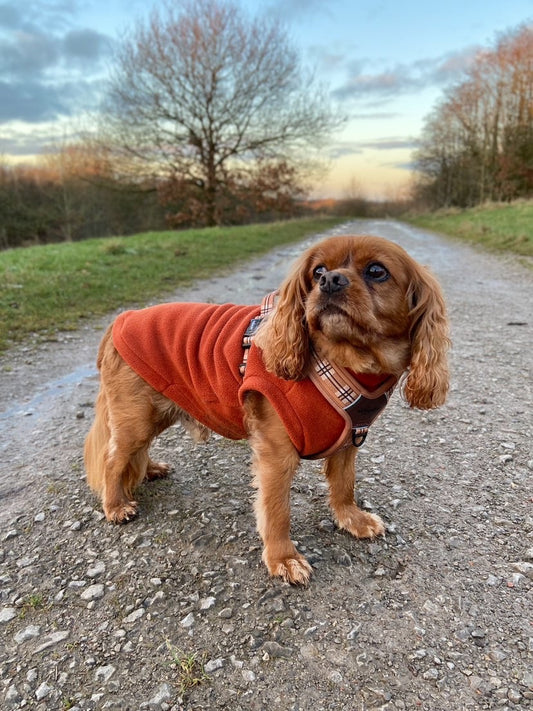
(7, 614)
(12, 697)
(40, 517)
(163, 693)
(213, 664)
(524, 568)
(208, 602)
(226, 613)
(275, 650)
(135, 615)
(27, 633)
(51, 640)
(93, 592)
(187, 621)
(43, 691)
(514, 696)
(96, 569)
(104, 673)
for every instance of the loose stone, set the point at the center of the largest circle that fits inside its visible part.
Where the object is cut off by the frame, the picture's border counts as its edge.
(96, 569)
(104, 673)
(43, 691)
(27, 633)
(188, 620)
(213, 664)
(135, 615)
(52, 640)
(93, 592)
(163, 693)
(7, 614)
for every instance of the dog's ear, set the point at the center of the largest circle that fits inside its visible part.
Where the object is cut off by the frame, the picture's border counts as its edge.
(283, 337)
(427, 381)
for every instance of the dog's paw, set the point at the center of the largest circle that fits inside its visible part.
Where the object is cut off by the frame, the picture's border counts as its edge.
(157, 470)
(360, 523)
(121, 513)
(294, 570)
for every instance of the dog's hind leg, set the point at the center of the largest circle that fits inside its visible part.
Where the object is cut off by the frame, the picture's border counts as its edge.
(126, 464)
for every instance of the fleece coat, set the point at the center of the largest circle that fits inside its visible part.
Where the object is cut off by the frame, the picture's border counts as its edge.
(191, 353)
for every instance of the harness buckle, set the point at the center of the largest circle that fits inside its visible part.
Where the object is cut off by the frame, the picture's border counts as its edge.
(251, 329)
(359, 435)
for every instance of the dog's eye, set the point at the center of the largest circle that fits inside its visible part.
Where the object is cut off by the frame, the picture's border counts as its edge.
(376, 272)
(318, 271)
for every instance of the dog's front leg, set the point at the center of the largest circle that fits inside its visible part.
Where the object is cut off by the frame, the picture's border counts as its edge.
(275, 461)
(340, 474)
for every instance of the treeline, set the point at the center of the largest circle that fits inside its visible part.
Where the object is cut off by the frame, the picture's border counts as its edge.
(75, 194)
(38, 206)
(477, 144)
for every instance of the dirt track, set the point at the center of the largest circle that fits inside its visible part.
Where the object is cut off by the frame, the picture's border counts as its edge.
(436, 616)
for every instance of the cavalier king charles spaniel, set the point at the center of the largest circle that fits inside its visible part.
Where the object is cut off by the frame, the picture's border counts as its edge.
(357, 306)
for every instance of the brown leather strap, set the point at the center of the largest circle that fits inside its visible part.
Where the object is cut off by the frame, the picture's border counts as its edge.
(358, 405)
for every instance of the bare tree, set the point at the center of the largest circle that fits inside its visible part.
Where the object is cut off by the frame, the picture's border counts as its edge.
(477, 144)
(202, 91)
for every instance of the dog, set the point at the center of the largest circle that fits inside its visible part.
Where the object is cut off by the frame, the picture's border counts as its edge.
(359, 304)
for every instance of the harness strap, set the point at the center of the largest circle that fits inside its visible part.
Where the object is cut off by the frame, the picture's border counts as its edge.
(358, 405)
(266, 307)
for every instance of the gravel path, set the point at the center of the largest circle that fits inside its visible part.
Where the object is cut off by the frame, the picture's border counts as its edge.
(175, 610)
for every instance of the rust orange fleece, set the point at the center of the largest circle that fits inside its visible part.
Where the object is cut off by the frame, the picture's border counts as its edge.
(191, 354)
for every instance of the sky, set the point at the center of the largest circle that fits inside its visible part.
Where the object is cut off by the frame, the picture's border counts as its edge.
(386, 63)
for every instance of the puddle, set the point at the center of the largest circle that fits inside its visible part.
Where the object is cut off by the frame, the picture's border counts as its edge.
(41, 400)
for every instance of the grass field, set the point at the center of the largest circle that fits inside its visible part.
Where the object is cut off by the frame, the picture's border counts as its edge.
(50, 288)
(498, 227)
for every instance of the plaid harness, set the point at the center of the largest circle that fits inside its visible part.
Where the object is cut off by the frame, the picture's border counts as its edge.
(357, 403)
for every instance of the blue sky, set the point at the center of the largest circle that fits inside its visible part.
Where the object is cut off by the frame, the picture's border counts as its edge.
(386, 63)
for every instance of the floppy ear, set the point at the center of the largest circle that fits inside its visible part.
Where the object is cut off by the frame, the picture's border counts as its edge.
(427, 380)
(283, 337)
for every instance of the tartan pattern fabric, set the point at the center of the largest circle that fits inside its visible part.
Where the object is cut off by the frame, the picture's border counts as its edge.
(266, 307)
(354, 401)
(333, 381)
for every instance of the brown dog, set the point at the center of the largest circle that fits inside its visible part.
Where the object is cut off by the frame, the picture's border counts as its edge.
(360, 305)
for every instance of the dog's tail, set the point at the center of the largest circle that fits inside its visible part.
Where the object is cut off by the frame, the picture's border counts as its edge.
(96, 445)
(97, 441)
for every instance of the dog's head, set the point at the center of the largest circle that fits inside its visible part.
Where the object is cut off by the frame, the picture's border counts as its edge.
(367, 305)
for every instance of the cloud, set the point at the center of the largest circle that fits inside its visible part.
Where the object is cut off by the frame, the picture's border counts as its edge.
(26, 54)
(86, 45)
(300, 10)
(390, 144)
(403, 78)
(31, 102)
(48, 66)
(343, 149)
(349, 148)
(15, 141)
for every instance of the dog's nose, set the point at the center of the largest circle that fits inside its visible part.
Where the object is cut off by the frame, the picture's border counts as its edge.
(331, 282)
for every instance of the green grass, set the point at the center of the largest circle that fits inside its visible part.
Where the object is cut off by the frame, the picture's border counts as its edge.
(52, 288)
(499, 227)
(190, 668)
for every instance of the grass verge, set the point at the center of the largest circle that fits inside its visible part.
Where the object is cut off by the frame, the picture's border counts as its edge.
(499, 227)
(51, 288)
